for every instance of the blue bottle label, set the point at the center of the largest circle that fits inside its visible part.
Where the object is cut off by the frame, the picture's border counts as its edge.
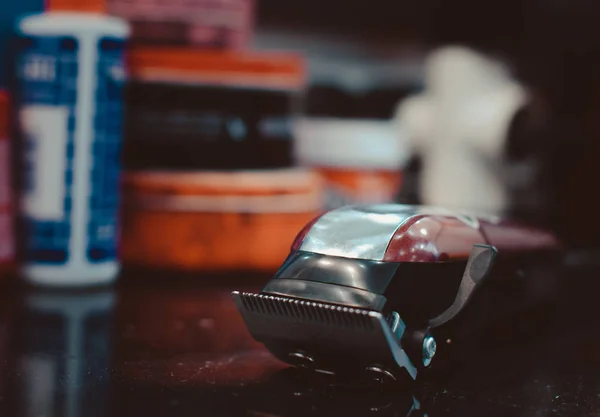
(48, 69)
(49, 72)
(103, 227)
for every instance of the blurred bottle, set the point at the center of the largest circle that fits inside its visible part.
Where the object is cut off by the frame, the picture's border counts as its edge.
(71, 74)
(7, 249)
(63, 364)
(352, 143)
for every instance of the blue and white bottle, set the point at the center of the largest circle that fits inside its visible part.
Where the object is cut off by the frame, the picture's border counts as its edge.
(71, 75)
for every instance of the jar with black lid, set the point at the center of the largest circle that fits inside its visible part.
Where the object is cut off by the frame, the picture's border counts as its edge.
(202, 110)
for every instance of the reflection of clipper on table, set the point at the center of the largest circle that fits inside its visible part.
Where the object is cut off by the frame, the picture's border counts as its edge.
(459, 128)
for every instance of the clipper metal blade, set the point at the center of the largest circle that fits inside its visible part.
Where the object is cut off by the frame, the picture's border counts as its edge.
(288, 326)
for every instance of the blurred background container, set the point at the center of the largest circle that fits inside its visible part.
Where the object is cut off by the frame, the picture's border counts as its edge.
(245, 118)
(202, 23)
(216, 221)
(190, 109)
(331, 138)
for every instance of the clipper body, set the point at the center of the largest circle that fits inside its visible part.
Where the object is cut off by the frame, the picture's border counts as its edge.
(370, 289)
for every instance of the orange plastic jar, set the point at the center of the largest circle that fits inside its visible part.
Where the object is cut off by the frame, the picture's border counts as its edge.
(216, 221)
(7, 248)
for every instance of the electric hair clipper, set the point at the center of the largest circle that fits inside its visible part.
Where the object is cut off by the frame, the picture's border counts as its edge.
(376, 289)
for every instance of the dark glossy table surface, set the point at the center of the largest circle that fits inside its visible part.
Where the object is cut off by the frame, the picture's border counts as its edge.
(179, 348)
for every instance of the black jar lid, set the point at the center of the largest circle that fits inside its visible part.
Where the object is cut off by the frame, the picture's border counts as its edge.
(337, 102)
(190, 110)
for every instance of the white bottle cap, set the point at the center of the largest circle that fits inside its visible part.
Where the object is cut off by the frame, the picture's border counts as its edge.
(350, 143)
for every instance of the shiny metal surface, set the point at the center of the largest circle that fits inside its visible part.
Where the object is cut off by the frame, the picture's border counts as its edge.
(368, 275)
(361, 232)
(364, 334)
(326, 293)
(429, 350)
(478, 267)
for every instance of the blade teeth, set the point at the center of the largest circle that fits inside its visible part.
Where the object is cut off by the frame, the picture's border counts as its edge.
(258, 303)
(319, 312)
(272, 308)
(296, 309)
(245, 302)
(249, 301)
(289, 308)
(278, 307)
(339, 318)
(312, 311)
(308, 311)
(365, 320)
(265, 305)
(305, 311)
(348, 318)
(331, 314)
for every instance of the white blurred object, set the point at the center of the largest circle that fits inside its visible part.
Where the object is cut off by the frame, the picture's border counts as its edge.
(459, 127)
